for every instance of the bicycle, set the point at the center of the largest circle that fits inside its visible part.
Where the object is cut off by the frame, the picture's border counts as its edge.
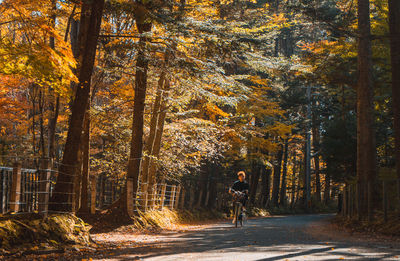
(238, 213)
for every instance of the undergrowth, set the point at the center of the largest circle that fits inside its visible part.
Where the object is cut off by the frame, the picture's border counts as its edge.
(376, 226)
(32, 230)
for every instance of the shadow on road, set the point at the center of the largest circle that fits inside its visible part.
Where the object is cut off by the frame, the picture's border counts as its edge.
(274, 238)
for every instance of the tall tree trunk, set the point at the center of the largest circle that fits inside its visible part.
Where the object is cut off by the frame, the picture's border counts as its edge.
(327, 192)
(203, 183)
(284, 174)
(52, 124)
(277, 177)
(91, 14)
(260, 200)
(149, 146)
(84, 208)
(54, 100)
(267, 190)
(316, 144)
(142, 64)
(41, 123)
(292, 200)
(366, 151)
(254, 184)
(159, 133)
(394, 25)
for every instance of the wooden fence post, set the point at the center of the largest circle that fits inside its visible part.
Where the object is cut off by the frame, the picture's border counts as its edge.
(15, 188)
(385, 201)
(178, 193)
(44, 187)
(93, 184)
(163, 189)
(4, 189)
(172, 197)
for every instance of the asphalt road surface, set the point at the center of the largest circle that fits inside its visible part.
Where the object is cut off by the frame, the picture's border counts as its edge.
(273, 238)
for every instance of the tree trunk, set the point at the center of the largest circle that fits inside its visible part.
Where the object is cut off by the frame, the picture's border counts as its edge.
(52, 124)
(54, 106)
(284, 174)
(85, 164)
(268, 189)
(254, 184)
(91, 14)
(260, 200)
(394, 25)
(316, 144)
(366, 151)
(41, 123)
(159, 133)
(142, 64)
(153, 128)
(327, 192)
(277, 177)
(292, 200)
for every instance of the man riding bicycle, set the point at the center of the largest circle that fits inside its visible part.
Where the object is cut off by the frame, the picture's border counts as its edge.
(241, 186)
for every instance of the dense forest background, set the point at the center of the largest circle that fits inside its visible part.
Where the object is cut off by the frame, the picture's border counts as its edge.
(297, 93)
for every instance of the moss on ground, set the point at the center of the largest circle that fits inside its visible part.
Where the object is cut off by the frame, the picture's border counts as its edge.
(32, 231)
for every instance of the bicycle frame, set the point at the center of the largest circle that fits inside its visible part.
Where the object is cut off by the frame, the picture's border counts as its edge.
(238, 212)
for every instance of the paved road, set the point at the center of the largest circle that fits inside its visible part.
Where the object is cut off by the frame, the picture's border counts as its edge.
(274, 238)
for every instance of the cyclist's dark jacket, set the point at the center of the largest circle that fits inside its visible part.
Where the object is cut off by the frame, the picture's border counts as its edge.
(240, 186)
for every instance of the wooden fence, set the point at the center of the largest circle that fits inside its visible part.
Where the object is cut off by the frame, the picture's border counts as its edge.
(386, 197)
(28, 190)
(25, 190)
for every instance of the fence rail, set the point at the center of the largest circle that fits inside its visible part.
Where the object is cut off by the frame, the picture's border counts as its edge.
(25, 190)
(384, 196)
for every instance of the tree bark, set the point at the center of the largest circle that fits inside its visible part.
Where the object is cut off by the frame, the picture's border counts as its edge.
(84, 208)
(149, 146)
(284, 174)
(394, 26)
(277, 177)
(159, 133)
(366, 151)
(142, 64)
(91, 14)
(292, 201)
(327, 192)
(254, 184)
(316, 144)
(54, 106)
(267, 190)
